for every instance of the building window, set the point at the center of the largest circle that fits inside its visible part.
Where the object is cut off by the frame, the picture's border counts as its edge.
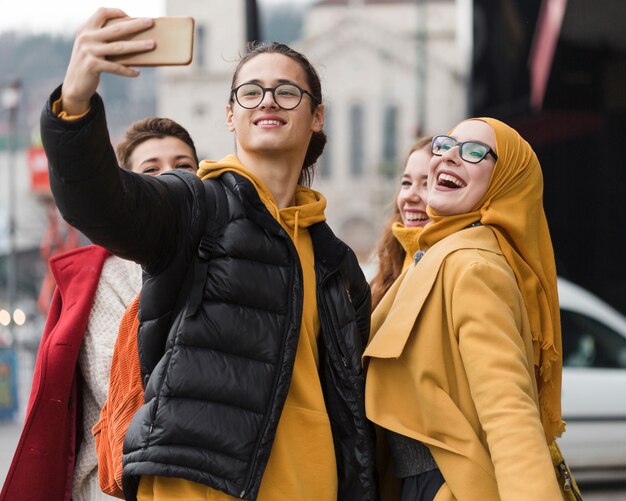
(200, 46)
(324, 168)
(390, 134)
(357, 154)
(199, 110)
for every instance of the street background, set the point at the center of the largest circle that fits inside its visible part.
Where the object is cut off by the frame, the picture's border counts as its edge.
(392, 70)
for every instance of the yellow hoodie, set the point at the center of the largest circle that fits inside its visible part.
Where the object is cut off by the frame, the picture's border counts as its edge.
(302, 463)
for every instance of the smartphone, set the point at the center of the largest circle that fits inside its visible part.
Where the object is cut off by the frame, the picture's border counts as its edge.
(174, 43)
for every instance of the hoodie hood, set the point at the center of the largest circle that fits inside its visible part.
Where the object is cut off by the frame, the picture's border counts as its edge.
(309, 204)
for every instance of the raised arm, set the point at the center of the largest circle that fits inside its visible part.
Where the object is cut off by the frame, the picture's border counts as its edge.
(136, 217)
(489, 318)
(94, 42)
(142, 218)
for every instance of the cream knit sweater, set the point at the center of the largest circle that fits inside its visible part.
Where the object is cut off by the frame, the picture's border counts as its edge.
(119, 284)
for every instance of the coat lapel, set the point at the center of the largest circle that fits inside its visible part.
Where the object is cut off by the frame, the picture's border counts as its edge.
(393, 319)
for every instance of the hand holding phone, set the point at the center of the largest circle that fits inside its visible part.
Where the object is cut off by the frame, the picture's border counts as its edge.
(171, 42)
(173, 37)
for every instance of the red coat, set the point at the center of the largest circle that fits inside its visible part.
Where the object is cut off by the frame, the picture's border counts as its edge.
(43, 464)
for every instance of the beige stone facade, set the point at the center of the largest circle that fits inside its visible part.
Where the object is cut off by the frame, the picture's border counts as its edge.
(389, 69)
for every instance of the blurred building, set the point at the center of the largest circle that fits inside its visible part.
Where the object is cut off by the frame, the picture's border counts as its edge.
(26, 265)
(394, 69)
(390, 71)
(20, 321)
(196, 95)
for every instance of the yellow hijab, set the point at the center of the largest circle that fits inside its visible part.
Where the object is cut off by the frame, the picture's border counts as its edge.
(513, 209)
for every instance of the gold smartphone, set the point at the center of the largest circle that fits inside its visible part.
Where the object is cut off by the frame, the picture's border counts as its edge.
(174, 43)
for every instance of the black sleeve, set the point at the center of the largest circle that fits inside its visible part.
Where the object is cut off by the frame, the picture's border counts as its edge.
(361, 298)
(137, 217)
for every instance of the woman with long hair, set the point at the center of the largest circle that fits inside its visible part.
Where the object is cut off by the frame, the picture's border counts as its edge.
(399, 238)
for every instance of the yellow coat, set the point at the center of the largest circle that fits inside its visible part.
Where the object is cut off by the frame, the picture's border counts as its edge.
(460, 377)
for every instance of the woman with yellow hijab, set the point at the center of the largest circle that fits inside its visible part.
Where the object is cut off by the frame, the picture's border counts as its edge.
(464, 363)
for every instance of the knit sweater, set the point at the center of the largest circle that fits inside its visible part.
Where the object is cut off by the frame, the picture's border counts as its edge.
(118, 285)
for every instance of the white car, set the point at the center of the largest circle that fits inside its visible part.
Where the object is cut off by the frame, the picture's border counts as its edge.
(594, 385)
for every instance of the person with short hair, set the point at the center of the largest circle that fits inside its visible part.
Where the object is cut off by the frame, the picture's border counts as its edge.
(139, 152)
(55, 457)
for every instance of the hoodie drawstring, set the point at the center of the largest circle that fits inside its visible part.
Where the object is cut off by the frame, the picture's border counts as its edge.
(295, 230)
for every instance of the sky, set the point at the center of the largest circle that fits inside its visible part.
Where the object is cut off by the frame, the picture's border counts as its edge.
(37, 16)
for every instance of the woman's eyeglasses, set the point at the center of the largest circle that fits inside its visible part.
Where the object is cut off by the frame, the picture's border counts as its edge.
(287, 96)
(470, 151)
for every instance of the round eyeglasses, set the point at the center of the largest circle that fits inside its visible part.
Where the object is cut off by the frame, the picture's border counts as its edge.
(287, 96)
(470, 151)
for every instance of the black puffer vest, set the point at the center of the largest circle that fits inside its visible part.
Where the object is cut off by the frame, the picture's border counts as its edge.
(218, 375)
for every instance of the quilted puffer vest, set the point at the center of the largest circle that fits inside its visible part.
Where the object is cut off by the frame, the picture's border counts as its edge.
(214, 398)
